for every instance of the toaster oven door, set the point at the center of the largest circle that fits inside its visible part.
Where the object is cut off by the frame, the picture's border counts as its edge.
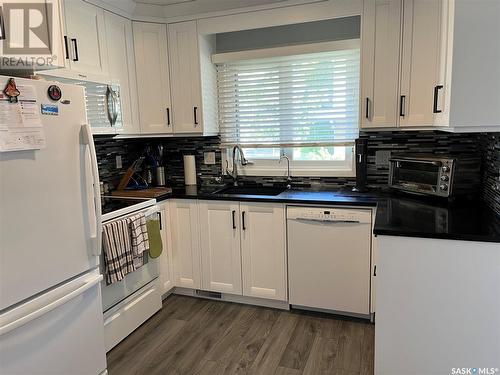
(419, 176)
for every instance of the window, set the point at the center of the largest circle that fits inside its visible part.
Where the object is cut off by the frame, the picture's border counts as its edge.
(303, 105)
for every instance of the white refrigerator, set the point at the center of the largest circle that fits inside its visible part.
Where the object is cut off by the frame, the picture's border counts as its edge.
(51, 319)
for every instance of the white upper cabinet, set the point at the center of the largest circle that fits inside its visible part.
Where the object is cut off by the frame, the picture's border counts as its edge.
(424, 59)
(468, 95)
(153, 83)
(380, 63)
(186, 77)
(420, 61)
(186, 243)
(400, 66)
(120, 42)
(263, 250)
(220, 246)
(49, 39)
(85, 38)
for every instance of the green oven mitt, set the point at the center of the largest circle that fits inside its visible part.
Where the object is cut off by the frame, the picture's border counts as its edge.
(155, 244)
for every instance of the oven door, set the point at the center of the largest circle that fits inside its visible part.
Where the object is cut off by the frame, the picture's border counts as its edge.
(115, 293)
(418, 176)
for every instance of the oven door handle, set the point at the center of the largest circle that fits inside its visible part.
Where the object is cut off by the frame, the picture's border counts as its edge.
(436, 163)
(148, 211)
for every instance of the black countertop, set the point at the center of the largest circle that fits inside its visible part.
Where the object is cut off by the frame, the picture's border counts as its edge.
(397, 215)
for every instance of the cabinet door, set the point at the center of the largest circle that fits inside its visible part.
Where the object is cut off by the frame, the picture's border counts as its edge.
(185, 74)
(86, 40)
(220, 246)
(419, 63)
(186, 243)
(120, 42)
(153, 84)
(166, 261)
(380, 63)
(263, 252)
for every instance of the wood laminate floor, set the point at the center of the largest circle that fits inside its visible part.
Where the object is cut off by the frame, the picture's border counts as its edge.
(198, 336)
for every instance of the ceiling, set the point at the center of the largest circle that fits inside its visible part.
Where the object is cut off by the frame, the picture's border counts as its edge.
(229, 3)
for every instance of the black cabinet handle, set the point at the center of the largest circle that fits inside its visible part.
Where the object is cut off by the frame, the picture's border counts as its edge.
(3, 36)
(234, 221)
(75, 44)
(195, 113)
(367, 109)
(402, 105)
(243, 220)
(375, 270)
(159, 218)
(66, 49)
(168, 116)
(436, 92)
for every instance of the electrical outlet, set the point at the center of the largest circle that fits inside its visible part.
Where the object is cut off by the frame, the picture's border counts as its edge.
(118, 162)
(209, 158)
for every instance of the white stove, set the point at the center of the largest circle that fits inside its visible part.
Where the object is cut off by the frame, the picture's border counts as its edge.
(130, 302)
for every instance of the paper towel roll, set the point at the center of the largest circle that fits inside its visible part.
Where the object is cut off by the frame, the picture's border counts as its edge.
(189, 170)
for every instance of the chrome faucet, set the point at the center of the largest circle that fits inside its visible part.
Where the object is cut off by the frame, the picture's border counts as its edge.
(288, 178)
(243, 161)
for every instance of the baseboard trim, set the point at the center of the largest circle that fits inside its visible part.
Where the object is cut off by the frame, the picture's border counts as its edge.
(282, 305)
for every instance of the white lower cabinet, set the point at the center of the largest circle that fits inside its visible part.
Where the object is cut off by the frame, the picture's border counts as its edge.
(263, 250)
(186, 243)
(166, 258)
(230, 247)
(220, 246)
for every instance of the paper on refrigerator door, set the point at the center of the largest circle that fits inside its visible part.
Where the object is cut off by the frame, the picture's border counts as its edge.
(20, 124)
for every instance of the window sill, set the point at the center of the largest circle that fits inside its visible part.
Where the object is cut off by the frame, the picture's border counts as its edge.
(296, 172)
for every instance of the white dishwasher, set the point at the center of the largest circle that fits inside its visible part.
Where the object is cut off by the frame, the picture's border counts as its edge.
(329, 252)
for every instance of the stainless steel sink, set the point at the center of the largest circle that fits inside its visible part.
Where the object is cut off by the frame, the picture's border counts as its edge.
(250, 190)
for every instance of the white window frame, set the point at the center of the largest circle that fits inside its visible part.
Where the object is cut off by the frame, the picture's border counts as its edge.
(272, 167)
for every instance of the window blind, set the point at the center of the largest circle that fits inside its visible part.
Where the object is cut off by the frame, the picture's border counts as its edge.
(300, 100)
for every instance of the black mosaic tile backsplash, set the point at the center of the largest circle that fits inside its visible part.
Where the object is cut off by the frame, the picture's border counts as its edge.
(490, 151)
(379, 145)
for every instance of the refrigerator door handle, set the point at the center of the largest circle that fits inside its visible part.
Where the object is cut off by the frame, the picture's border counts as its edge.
(95, 215)
(19, 317)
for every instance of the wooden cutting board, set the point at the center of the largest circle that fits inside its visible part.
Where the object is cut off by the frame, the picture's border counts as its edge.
(155, 192)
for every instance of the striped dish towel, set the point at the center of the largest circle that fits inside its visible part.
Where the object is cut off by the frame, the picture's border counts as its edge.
(138, 234)
(118, 256)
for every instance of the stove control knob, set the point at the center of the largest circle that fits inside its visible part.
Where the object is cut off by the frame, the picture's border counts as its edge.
(444, 178)
(443, 187)
(445, 168)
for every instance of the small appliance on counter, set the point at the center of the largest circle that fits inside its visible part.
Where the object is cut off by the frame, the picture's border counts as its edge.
(160, 168)
(437, 175)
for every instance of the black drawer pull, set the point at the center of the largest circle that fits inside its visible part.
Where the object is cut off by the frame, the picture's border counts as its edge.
(234, 220)
(195, 113)
(159, 218)
(243, 220)
(402, 105)
(367, 109)
(436, 93)
(66, 48)
(168, 116)
(75, 44)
